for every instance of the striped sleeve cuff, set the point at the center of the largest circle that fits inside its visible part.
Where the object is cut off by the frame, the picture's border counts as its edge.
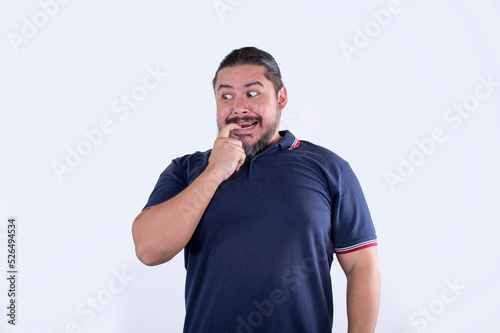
(356, 247)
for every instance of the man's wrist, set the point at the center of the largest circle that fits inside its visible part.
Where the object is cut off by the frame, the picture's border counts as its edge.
(210, 177)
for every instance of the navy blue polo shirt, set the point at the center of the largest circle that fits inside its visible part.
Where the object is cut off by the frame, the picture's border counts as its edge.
(260, 258)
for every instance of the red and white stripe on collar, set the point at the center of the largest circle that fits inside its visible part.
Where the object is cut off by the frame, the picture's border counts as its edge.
(295, 144)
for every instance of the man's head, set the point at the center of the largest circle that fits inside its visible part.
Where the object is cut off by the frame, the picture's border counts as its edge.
(253, 56)
(249, 91)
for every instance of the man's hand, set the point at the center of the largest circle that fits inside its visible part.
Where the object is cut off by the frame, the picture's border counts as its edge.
(227, 154)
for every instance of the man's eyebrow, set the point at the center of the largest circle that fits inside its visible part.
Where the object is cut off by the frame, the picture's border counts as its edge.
(224, 86)
(246, 85)
(254, 83)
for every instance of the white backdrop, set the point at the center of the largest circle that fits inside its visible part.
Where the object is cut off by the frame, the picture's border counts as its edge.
(98, 97)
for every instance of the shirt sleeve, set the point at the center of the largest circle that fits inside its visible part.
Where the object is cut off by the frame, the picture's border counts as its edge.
(352, 223)
(170, 183)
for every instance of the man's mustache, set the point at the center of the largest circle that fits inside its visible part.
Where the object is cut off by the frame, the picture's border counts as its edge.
(245, 119)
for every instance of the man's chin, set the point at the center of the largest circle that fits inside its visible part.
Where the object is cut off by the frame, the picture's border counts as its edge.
(247, 139)
(253, 147)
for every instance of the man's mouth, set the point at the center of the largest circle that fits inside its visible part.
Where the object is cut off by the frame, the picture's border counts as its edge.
(247, 125)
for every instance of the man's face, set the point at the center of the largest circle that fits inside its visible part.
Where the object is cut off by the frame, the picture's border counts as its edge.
(245, 96)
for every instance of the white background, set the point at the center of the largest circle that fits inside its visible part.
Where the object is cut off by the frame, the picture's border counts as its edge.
(437, 228)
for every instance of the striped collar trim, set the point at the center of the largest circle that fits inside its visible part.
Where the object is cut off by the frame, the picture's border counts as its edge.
(288, 140)
(296, 143)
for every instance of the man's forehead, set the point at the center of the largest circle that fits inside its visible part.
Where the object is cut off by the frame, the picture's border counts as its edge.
(241, 75)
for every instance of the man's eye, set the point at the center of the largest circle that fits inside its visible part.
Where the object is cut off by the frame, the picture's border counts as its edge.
(252, 93)
(226, 96)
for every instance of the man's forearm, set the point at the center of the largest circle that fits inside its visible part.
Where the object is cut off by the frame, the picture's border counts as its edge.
(164, 230)
(363, 298)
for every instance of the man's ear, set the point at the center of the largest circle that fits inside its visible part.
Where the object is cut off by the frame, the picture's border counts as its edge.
(282, 98)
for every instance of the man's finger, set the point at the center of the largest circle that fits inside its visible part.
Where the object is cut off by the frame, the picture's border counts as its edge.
(240, 162)
(224, 132)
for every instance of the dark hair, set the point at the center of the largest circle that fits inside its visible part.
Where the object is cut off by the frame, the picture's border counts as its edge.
(253, 56)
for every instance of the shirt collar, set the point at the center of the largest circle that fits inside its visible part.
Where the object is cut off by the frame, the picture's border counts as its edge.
(288, 140)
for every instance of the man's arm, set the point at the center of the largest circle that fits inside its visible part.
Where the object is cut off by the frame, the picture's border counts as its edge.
(363, 289)
(164, 230)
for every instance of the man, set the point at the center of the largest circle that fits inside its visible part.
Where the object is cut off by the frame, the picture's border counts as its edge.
(259, 217)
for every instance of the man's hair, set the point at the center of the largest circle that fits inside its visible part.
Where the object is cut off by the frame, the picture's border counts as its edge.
(253, 56)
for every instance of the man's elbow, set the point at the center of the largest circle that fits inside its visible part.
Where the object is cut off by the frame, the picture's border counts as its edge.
(149, 250)
(145, 257)
(149, 257)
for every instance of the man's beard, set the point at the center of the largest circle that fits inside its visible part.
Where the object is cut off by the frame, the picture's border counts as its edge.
(253, 149)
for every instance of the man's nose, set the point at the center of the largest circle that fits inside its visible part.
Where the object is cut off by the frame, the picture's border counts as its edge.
(240, 106)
